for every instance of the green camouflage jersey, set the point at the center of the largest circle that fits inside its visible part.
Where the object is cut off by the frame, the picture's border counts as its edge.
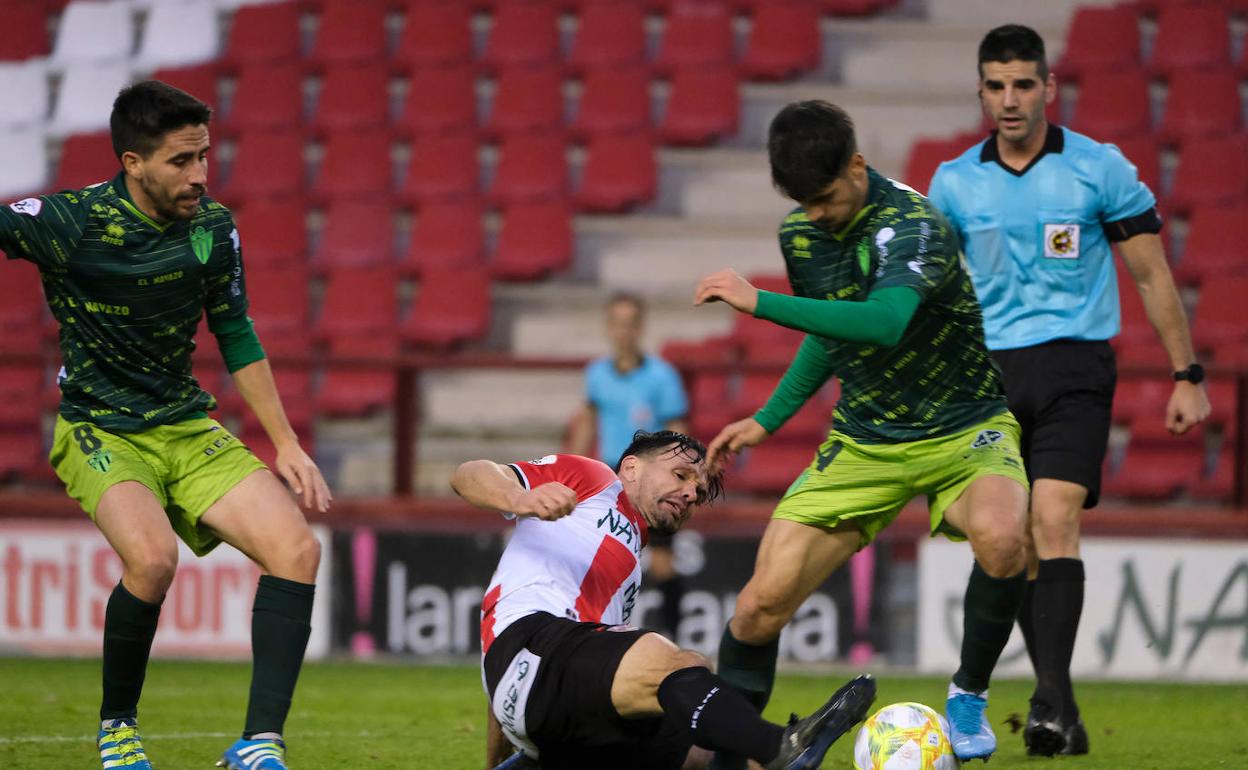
(128, 294)
(938, 379)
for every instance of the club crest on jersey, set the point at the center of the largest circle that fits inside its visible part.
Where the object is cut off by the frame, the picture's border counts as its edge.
(987, 438)
(1061, 241)
(100, 460)
(201, 244)
(28, 206)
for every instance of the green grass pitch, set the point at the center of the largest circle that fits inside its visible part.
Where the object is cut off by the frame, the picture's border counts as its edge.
(396, 716)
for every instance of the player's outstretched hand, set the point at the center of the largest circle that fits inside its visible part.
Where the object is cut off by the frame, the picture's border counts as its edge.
(727, 286)
(1189, 405)
(732, 439)
(548, 501)
(294, 465)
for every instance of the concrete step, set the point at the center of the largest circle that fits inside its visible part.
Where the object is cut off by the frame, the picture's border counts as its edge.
(492, 402)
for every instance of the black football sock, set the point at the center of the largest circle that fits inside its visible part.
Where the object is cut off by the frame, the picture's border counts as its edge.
(718, 716)
(281, 621)
(1057, 606)
(1026, 621)
(129, 627)
(751, 669)
(989, 612)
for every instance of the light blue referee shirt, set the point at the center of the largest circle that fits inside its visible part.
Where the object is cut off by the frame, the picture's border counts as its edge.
(644, 398)
(1037, 240)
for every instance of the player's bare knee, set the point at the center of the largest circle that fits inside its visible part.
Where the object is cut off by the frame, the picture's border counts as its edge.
(297, 559)
(1000, 550)
(759, 616)
(690, 659)
(149, 574)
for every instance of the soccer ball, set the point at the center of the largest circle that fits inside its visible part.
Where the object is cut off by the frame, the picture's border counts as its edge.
(904, 736)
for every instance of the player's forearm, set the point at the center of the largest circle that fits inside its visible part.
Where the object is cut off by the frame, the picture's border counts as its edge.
(881, 319)
(1145, 258)
(809, 370)
(255, 382)
(486, 484)
(496, 746)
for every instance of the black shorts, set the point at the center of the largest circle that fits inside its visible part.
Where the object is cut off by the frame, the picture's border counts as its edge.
(1062, 393)
(565, 708)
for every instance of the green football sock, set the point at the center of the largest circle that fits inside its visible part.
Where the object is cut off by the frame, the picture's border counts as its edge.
(281, 621)
(750, 669)
(989, 611)
(129, 627)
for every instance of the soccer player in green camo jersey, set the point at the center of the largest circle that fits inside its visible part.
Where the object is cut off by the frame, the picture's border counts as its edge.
(129, 266)
(888, 307)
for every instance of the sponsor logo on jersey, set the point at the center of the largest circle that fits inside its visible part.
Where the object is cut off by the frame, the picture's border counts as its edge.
(801, 247)
(987, 438)
(1061, 241)
(114, 234)
(547, 460)
(201, 244)
(28, 206)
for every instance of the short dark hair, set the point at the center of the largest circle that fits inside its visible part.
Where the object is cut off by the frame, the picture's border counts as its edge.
(144, 112)
(627, 297)
(1013, 42)
(646, 444)
(810, 145)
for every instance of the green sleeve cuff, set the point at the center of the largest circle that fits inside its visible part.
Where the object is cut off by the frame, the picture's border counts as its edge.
(809, 370)
(239, 345)
(880, 319)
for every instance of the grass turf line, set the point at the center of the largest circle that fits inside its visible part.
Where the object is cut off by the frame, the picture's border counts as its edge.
(407, 717)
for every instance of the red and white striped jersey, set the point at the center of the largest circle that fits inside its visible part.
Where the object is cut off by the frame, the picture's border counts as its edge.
(584, 566)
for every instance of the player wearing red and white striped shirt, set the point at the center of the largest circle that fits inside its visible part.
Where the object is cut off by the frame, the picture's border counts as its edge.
(570, 684)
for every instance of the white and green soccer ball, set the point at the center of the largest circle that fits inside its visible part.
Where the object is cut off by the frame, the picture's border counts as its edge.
(904, 736)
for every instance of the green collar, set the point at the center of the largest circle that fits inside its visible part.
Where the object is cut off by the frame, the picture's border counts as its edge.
(123, 195)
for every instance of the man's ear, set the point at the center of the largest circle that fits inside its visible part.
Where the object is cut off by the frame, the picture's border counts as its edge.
(132, 163)
(628, 468)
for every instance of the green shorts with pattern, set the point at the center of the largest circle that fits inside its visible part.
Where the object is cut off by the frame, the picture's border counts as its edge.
(867, 485)
(188, 465)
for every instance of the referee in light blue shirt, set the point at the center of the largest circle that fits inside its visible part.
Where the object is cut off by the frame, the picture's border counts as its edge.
(1037, 206)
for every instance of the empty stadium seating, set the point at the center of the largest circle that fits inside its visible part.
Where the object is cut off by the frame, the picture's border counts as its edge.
(1100, 40)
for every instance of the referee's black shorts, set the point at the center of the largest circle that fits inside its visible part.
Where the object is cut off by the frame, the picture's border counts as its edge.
(568, 712)
(1062, 393)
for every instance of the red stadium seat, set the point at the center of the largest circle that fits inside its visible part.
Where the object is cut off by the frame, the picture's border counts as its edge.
(24, 33)
(1113, 105)
(527, 100)
(263, 34)
(620, 173)
(523, 34)
(279, 305)
(1214, 247)
(200, 81)
(20, 386)
(1219, 316)
(21, 452)
(1137, 343)
(613, 101)
(350, 32)
(440, 101)
(452, 307)
(1212, 171)
(85, 160)
(535, 239)
(21, 310)
(435, 34)
(926, 155)
(273, 233)
(769, 469)
(717, 351)
(268, 164)
(1190, 37)
(1100, 40)
(1153, 473)
(353, 98)
(709, 395)
(359, 302)
(441, 168)
(266, 96)
(704, 105)
(698, 34)
(357, 234)
(855, 7)
(1139, 398)
(445, 235)
(356, 391)
(530, 168)
(611, 34)
(294, 383)
(356, 167)
(1144, 154)
(785, 40)
(1200, 103)
(1219, 485)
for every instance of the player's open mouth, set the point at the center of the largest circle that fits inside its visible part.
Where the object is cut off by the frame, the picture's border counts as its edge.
(1011, 121)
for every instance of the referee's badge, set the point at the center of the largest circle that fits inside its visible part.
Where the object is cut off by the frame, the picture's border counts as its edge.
(1061, 241)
